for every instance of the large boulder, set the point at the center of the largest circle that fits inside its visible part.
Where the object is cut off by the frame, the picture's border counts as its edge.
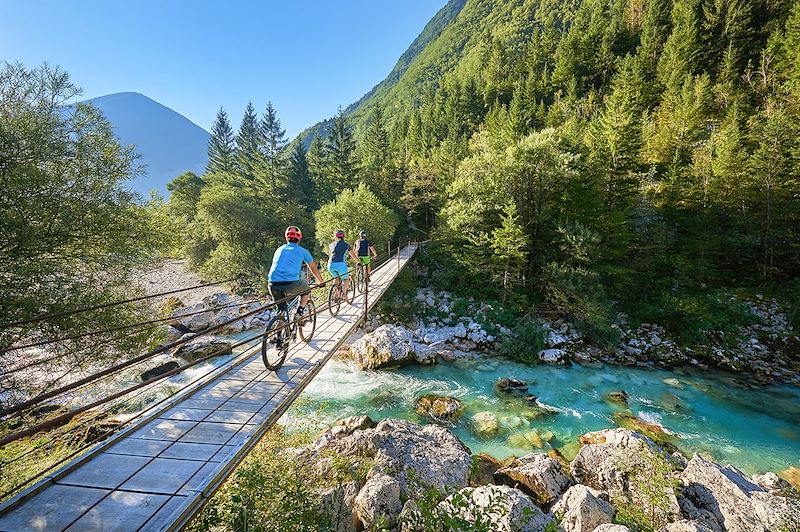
(386, 346)
(378, 501)
(621, 462)
(502, 508)
(438, 407)
(581, 509)
(737, 503)
(203, 346)
(338, 504)
(417, 456)
(536, 474)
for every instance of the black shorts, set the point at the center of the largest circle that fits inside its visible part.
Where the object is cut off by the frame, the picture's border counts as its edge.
(284, 289)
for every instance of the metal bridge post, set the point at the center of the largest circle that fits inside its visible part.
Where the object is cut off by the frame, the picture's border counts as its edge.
(398, 257)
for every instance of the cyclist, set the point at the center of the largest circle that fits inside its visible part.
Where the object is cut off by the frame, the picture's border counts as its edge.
(366, 252)
(337, 262)
(284, 275)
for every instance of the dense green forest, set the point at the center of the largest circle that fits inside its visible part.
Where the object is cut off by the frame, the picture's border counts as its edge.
(596, 156)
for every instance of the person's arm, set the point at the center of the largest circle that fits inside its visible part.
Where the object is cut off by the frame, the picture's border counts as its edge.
(352, 253)
(373, 252)
(315, 272)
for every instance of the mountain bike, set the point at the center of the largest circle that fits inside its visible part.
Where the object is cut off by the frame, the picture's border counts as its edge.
(359, 278)
(336, 295)
(283, 329)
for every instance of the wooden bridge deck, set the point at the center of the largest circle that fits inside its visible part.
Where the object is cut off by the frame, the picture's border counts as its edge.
(157, 474)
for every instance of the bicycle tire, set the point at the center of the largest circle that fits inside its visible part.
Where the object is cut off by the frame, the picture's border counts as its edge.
(360, 276)
(334, 299)
(275, 344)
(307, 329)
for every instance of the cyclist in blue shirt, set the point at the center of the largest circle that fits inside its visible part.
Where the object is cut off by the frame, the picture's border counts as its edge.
(337, 262)
(284, 274)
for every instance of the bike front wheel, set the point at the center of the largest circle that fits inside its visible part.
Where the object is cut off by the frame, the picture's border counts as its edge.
(335, 298)
(308, 324)
(360, 279)
(275, 343)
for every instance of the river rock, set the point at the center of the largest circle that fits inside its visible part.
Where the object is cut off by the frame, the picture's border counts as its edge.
(612, 528)
(485, 424)
(440, 335)
(201, 347)
(386, 346)
(379, 500)
(617, 398)
(152, 373)
(511, 385)
(338, 504)
(536, 474)
(506, 509)
(417, 456)
(439, 407)
(613, 461)
(583, 508)
(627, 420)
(736, 502)
(554, 356)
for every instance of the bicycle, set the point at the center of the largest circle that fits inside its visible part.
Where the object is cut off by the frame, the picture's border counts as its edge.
(359, 278)
(283, 329)
(336, 295)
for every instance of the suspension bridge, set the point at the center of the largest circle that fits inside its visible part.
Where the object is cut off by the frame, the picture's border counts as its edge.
(160, 470)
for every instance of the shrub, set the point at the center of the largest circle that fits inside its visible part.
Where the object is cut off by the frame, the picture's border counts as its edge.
(525, 342)
(653, 480)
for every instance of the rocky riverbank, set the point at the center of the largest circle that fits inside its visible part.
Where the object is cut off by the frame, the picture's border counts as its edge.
(768, 350)
(424, 478)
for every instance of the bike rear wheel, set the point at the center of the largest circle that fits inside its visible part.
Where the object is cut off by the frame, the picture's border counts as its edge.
(335, 298)
(360, 278)
(309, 324)
(275, 344)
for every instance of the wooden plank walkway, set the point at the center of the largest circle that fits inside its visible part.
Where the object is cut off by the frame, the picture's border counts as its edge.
(157, 474)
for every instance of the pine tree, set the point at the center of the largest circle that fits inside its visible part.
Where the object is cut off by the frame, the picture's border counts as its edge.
(656, 28)
(340, 147)
(726, 29)
(221, 145)
(375, 155)
(682, 48)
(323, 189)
(273, 142)
(248, 140)
(300, 182)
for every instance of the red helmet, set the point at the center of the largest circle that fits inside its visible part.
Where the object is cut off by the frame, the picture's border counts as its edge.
(293, 233)
(340, 233)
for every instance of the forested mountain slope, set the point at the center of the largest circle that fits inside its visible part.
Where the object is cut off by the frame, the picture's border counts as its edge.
(595, 156)
(579, 141)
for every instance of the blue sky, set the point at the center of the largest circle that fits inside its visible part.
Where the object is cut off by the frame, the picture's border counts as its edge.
(307, 57)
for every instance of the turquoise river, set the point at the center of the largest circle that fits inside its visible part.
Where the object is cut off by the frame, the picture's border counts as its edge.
(755, 429)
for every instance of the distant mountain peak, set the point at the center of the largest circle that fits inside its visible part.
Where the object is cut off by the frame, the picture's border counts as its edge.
(168, 142)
